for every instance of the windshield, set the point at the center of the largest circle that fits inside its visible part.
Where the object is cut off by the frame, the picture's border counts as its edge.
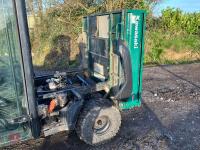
(12, 97)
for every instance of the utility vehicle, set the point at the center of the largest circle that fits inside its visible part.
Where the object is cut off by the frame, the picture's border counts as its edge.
(88, 99)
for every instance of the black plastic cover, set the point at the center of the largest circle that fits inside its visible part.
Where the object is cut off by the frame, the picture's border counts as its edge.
(124, 53)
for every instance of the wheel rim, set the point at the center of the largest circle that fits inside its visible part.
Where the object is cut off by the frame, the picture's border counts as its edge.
(101, 124)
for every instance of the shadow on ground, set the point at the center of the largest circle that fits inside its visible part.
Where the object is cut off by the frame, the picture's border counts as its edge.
(141, 129)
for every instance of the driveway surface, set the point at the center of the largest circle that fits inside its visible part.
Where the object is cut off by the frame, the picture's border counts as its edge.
(168, 119)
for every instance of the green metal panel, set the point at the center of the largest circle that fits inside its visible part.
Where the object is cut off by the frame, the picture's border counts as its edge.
(134, 36)
(128, 25)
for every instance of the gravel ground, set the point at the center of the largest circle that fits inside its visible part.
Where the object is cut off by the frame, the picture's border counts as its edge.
(168, 119)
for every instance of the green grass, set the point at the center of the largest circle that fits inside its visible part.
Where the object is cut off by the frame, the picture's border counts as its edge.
(160, 44)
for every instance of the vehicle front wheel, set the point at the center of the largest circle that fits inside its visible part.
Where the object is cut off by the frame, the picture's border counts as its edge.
(98, 122)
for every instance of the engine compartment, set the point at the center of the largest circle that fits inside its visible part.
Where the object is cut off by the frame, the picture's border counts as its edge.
(60, 97)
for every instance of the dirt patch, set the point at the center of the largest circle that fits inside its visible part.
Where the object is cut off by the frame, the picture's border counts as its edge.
(183, 55)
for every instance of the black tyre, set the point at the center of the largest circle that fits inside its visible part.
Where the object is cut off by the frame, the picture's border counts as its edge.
(99, 122)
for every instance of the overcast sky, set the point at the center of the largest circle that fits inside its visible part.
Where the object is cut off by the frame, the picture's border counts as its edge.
(185, 5)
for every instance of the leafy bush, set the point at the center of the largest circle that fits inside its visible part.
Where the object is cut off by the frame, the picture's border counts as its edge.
(173, 37)
(175, 20)
(66, 19)
(174, 32)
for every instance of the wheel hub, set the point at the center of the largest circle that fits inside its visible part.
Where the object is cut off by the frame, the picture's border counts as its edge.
(101, 124)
